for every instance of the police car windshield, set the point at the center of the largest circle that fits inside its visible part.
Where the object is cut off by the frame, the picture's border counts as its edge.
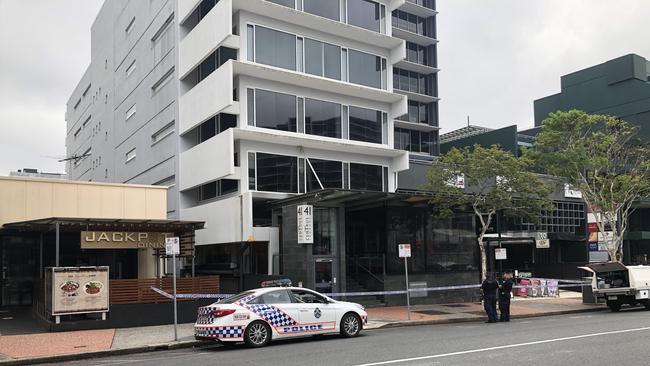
(236, 298)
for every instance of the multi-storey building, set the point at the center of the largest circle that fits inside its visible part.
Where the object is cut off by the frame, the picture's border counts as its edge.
(236, 104)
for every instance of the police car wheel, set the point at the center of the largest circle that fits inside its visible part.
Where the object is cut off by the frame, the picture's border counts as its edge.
(258, 334)
(350, 325)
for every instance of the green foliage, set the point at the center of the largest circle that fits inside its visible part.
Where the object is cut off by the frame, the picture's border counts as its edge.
(494, 180)
(602, 157)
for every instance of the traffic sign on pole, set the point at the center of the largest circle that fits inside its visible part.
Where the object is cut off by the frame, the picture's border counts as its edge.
(405, 252)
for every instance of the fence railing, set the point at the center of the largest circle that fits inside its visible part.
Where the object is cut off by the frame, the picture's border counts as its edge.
(138, 291)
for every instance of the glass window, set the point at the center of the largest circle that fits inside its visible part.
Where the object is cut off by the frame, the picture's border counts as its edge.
(251, 171)
(308, 297)
(207, 66)
(366, 177)
(275, 297)
(275, 48)
(250, 43)
(364, 14)
(228, 186)
(277, 173)
(325, 8)
(330, 174)
(313, 57)
(275, 110)
(365, 125)
(365, 69)
(208, 191)
(322, 59)
(289, 3)
(207, 130)
(325, 231)
(322, 118)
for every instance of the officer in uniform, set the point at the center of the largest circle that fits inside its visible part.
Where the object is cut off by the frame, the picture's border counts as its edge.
(489, 294)
(505, 288)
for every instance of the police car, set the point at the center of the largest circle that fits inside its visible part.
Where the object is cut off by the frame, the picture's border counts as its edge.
(257, 316)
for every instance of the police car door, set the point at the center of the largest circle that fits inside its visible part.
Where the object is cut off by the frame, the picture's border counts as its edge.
(317, 315)
(279, 310)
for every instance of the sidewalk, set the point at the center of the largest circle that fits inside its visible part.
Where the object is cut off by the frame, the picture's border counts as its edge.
(52, 347)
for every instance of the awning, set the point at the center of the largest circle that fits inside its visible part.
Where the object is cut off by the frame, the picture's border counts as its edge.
(75, 224)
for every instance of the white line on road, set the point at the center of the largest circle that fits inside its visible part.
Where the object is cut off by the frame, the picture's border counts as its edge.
(504, 347)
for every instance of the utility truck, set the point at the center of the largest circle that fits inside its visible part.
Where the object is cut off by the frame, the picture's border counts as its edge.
(619, 284)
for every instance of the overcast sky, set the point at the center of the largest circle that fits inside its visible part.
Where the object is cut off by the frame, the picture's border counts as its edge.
(495, 56)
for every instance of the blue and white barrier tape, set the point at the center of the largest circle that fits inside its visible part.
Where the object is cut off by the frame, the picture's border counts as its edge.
(377, 293)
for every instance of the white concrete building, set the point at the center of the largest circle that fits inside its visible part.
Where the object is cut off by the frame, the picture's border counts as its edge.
(236, 103)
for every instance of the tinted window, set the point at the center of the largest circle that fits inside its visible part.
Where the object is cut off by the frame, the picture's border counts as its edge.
(236, 298)
(322, 118)
(325, 8)
(275, 110)
(289, 3)
(330, 174)
(275, 48)
(322, 59)
(277, 173)
(364, 14)
(365, 125)
(275, 297)
(366, 177)
(365, 69)
(207, 130)
(308, 297)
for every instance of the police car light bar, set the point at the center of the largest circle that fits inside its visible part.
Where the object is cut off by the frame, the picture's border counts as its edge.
(285, 282)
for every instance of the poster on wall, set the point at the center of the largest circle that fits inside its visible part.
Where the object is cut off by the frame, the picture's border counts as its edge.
(305, 224)
(78, 290)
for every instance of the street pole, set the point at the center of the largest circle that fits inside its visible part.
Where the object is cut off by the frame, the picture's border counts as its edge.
(408, 295)
(175, 304)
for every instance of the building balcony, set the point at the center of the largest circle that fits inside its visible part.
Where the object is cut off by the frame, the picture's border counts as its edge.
(422, 98)
(416, 9)
(334, 145)
(209, 161)
(416, 67)
(214, 31)
(398, 102)
(232, 227)
(211, 96)
(413, 37)
(415, 126)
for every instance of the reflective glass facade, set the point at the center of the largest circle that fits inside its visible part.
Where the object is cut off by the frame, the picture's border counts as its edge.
(276, 173)
(366, 177)
(276, 111)
(330, 174)
(322, 118)
(365, 125)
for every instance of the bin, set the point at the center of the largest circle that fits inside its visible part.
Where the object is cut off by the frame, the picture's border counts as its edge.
(587, 292)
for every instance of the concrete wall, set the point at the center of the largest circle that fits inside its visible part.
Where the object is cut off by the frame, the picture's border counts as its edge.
(24, 199)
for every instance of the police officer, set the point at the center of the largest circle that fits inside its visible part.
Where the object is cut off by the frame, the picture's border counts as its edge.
(489, 294)
(505, 288)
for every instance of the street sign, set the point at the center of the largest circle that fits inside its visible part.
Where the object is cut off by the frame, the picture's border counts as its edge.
(500, 254)
(172, 246)
(404, 250)
(305, 224)
(542, 241)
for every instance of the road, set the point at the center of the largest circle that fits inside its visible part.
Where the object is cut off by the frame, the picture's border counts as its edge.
(601, 338)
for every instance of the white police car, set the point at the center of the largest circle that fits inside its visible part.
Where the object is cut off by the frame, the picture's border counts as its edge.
(257, 316)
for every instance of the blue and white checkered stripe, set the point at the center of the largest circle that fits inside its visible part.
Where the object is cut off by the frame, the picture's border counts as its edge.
(205, 315)
(271, 314)
(220, 332)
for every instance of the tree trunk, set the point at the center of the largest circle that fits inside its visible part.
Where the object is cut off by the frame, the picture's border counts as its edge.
(483, 258)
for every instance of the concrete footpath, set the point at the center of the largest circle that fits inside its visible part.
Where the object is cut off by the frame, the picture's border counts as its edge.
(53, 347)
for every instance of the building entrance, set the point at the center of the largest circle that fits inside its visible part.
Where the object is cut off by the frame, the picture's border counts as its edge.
(19, 266)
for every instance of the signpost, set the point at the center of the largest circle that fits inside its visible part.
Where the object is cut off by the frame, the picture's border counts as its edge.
(542, 241)
(173, 248)
(500, 254)
(405, 252)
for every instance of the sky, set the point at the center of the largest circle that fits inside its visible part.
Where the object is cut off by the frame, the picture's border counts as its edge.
(496, 57)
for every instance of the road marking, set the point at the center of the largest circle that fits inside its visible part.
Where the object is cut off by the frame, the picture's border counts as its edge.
(173, 356)
(504, 347)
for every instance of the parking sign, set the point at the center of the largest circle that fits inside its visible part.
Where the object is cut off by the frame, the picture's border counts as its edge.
(404, 250)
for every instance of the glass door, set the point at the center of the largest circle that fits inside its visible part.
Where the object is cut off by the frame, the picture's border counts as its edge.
(324, 279)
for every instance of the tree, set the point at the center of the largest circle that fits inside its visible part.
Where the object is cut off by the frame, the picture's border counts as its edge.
(602, 157)
(494, 179)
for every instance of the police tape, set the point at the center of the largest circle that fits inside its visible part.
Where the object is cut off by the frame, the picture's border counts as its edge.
(382, 293)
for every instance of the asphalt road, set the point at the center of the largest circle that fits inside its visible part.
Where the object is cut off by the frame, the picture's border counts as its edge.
(601, 338)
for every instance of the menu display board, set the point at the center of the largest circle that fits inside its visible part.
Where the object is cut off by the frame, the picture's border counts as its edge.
(78, 290)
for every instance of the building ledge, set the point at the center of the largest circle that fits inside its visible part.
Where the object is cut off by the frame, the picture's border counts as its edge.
(413, 37)
(418, 10)
(419, 68)
(423, 98)
(415, 126)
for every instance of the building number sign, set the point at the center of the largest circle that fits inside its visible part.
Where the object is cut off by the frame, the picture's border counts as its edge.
(305, 224)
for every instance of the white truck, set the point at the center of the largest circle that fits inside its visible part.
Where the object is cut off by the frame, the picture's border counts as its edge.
(619, 284)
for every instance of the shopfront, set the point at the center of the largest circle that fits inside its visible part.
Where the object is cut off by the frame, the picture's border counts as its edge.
(355, 245)
(49, 226)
